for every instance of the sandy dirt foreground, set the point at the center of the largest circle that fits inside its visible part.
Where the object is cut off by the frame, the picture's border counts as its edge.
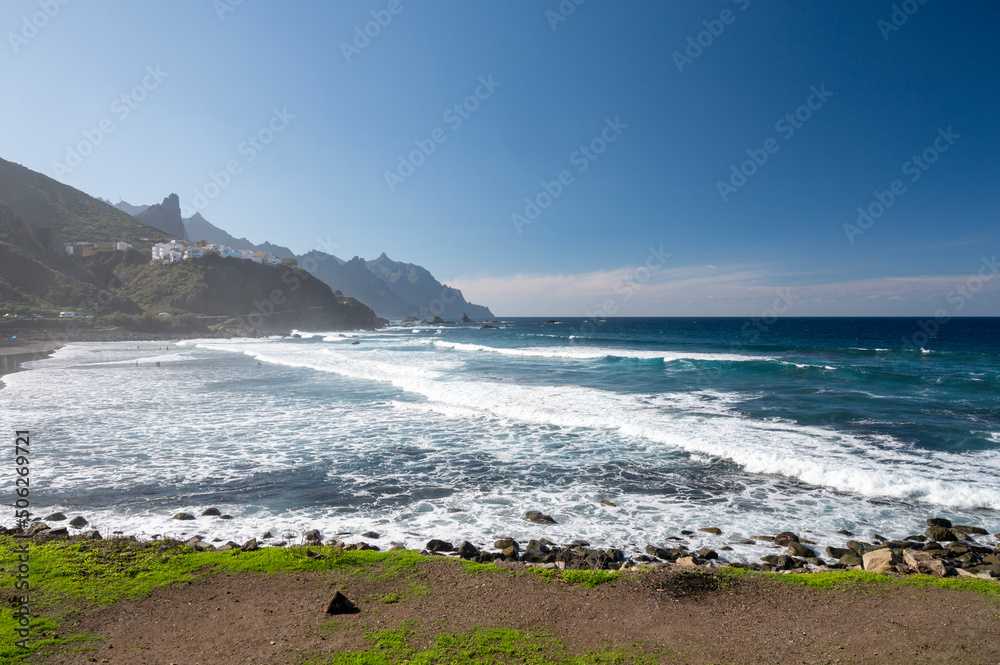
(280, 618)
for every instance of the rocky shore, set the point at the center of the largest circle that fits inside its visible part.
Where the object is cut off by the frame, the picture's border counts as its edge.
(941, 549)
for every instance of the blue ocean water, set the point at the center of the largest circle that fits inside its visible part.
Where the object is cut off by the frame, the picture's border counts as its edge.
(452, 431)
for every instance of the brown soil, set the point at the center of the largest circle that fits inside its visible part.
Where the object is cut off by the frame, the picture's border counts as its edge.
(697, 616)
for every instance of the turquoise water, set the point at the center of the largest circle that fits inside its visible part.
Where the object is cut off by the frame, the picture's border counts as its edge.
(454, 432)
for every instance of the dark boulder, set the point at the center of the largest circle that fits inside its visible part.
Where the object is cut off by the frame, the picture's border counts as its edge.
(970, 530)
(78, 522)
(851, 559)
(785, 537)
(798, 549)
(250, 545)
(439, 546)
(712, 530)
(340, 605)
(538, 518)
(940, 534)
(371, 534)
(467, 550)
(939, 521)
(707, 554)
(659, 553)
(183, 516)
(837, 552)
(504, 543)
(211, 512)
(55, 517)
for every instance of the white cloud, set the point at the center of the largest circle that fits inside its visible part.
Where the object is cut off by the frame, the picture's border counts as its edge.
(732, 291)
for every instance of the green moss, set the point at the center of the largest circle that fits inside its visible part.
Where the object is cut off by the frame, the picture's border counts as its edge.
(482, 646)
(849, 578)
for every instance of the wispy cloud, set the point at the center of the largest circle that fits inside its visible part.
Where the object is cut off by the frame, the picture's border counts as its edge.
(724, 291)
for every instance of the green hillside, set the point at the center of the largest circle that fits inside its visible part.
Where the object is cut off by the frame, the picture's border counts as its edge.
(265, 296)
(41, 201)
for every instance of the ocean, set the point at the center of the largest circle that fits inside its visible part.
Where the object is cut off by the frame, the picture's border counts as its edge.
(453, 432)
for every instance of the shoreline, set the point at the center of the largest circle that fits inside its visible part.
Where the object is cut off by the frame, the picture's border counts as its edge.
(942, 550)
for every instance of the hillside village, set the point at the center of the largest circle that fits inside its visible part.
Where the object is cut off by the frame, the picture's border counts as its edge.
(175, 251)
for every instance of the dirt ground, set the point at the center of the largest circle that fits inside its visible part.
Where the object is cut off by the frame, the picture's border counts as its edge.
(279, 618)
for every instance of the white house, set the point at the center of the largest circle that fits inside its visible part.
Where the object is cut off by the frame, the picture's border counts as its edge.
(193, 253)
(69, 248)
(122, 246)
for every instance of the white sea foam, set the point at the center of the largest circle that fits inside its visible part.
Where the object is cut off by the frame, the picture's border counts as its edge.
(591, 353)
(219, 430)
(817, 456)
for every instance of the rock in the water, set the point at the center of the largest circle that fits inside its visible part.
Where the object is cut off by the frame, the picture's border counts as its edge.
(250, 545)
(924, 563)
(504, 543)
(439, 546)
(183, 516)
(36, 527)
(340, 605)
(880, 561)
(55, 517)
(970, 530)
(211, 512)
(511, 552)
(856, 547)
(605, 502)
(796, 548)
(712, 530)
(370, 534)
(845, 532)
(659, 553)
(785, 537)
(837, 552)
(78, 521)
(538, 518)
(940, 533)
(467, 550)
(312, 534)
(225, 517)
(465, 319)
(939, 521)
(707, 554)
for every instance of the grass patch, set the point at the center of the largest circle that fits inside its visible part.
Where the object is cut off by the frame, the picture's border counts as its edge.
(589, 578)
(482, 647)
(69, 575)
(845, 579)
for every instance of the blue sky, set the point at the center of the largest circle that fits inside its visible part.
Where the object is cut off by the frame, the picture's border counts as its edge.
(332, 113)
